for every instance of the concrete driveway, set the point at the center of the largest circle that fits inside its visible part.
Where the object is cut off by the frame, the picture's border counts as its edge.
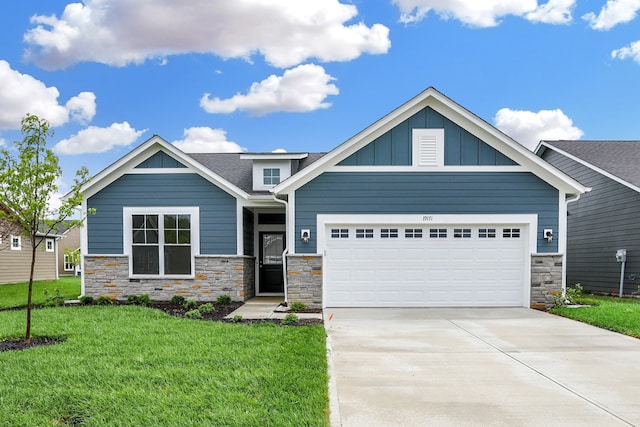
(484, 367)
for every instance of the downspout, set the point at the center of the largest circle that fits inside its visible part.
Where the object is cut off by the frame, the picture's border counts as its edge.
(566, 240)
(286, 249)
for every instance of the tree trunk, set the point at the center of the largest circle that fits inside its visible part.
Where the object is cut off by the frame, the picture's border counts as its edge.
(27, 335)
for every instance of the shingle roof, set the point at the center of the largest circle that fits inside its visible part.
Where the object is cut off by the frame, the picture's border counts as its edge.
(619, 158)
(239, 172)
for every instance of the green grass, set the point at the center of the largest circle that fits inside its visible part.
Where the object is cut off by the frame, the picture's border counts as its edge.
(15, 294)
(615, 314)
(134, 366)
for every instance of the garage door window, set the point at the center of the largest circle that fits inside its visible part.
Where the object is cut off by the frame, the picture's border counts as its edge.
(389, 233)
(438, 233)
(461, 233)
(364, 233)
(413, 233)
(339, 233)
(511, 233)
(487, 233)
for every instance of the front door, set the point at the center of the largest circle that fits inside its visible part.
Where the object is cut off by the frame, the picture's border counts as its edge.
(270, 267)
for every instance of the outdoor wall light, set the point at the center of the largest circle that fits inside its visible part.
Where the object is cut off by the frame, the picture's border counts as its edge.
(548, 234)
(305, 235)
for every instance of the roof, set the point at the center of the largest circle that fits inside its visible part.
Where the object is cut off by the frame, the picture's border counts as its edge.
(619, 159)
(453, 111)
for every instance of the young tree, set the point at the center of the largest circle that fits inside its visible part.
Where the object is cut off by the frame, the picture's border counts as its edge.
(28, 182)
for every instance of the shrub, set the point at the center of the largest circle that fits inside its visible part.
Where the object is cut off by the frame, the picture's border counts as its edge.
(193, 314)
(297, 306)
(86, 300)
(104, 300)
(224, 299)
(177, 299)
(206, 308)
(143, 300)
(289, 319)
(54, 300)
(237, 318)
(190, 305)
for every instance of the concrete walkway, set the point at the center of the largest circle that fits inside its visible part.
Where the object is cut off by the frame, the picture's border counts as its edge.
(267, 308)
(478, 367)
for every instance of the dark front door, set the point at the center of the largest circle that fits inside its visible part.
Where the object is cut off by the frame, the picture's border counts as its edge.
(271, 248)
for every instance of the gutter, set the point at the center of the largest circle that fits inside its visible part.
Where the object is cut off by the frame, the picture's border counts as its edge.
(286, 249)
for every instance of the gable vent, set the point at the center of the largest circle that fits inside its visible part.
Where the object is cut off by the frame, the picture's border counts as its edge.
(428, 147)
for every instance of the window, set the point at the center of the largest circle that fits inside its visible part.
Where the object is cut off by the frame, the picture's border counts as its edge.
(461, 233)
(271, 176)
(68, 263)
(487, 233)
(364, 233)
(162, 242)
(16, 243)
(339, 233)
(438, 233)
(510, 233)
(413, 233)
(49, 245)
(389, 233)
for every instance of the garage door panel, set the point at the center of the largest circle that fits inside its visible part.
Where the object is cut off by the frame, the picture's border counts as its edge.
(416, 269)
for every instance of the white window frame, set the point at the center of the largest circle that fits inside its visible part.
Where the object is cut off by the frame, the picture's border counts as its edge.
(14, 239)
(51, 242)
(66, 262)
(193, 211)
(271, 177)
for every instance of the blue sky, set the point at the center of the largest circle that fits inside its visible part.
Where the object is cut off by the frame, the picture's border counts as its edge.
(257, 75)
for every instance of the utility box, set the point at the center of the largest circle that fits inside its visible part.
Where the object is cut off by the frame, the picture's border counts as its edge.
(621, 255)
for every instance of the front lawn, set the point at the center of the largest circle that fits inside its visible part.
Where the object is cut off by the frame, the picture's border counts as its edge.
(15, 294)
(616, 314)
(135, 366)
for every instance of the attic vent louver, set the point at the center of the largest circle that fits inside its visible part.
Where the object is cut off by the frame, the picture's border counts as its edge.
(428, 147)
(428, 150)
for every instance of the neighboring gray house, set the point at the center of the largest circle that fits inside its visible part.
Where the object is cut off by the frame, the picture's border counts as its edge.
(605, 219)
(428, 206)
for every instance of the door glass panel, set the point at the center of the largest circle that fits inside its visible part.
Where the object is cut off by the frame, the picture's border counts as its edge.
(272, 247)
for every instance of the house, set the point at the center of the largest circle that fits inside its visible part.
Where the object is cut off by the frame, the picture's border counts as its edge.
(15, 255)
(70, 241)
(428, 206)
(604, 220)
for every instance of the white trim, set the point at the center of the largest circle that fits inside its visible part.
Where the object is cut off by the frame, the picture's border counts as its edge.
(46, 245)
(239, 228)
(462, 117)
(18, 240)
(128, 212)
(528, 220)
(427, 147)
(84, 242)
(369, 168)
(291, 224)
(274, 156)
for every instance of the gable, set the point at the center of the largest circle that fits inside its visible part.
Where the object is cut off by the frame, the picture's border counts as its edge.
(395, 147)
(160, 160)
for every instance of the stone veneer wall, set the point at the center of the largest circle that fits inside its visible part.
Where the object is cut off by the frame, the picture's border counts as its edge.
(304, 279)
(546, 279)
(215, 276)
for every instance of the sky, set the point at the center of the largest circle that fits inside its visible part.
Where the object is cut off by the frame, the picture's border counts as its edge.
(305, 76)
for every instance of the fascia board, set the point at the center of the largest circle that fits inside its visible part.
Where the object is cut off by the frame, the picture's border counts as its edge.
(145, 150)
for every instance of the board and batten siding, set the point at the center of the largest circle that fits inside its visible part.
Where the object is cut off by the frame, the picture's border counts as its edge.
(217, 210)
(426, 193)
(599, 223)
(394, 148)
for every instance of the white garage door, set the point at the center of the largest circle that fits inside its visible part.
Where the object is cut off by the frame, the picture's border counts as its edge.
(414, 265)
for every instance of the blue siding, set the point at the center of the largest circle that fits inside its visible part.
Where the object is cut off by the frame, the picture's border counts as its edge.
(217, 210)
(426, 193)
(394, 147)
(161, 160)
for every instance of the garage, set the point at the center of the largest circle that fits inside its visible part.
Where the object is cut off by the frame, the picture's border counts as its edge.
(434, 265)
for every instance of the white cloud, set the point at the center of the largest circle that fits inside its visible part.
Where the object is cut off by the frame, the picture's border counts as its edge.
(206, 140)
(301, 89)
(613, 13)
(486, 13)
(99, 140)
(21, 94)
(122, 32)
(631, 51)
(529, 128)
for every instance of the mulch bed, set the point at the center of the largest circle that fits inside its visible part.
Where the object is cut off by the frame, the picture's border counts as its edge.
(17, 344)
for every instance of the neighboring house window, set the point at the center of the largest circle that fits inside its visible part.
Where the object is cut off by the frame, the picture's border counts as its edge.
(339, 233)
(49, 245)
(68, 263)
(16, 243)
(162, 243)
(271, 176)
(364, 233)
